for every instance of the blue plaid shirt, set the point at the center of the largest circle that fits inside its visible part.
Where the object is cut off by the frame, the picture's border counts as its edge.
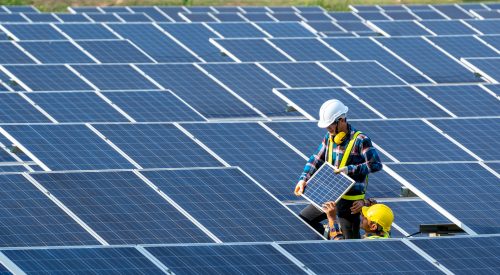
(364, 159)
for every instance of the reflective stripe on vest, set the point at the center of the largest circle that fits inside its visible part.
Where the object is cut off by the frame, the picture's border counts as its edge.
(386, 236)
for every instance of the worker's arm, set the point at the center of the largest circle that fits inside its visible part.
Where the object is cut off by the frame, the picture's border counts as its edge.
(333, 228)
(314, 162)
(372, 161)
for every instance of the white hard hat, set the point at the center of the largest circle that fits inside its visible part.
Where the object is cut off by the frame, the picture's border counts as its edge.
(330, 111)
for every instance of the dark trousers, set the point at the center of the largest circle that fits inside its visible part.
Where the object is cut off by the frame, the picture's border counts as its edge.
(349, 223)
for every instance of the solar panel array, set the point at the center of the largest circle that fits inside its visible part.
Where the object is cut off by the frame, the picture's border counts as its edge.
(169, 139)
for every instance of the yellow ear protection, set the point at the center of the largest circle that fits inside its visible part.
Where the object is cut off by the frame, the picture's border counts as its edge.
(340, 137)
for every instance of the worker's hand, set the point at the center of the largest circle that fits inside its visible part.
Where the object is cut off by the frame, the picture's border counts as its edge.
(340, 170)
(356, 206)
(330, 209)
(299, 188)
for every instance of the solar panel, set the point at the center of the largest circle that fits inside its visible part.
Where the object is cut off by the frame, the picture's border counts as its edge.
(417, 7)
(250, 9)
(55, 52)
(41, 17)
(134, 17)
(236, 30)
(305, 9)
(72, 18)
(258, 17)
(429, 60)
(467, 132)
(373, 16)
(15, 8)
(399, 102)
(359, 257)
(460, 46)
(29, 218)
(447, 27)
(34, 31)
(195, 37)
(281, 9)
(228, 17)
(252, 83)
(231, 205)
(490, 66)
(487, 26)
(287, 17)
(486, 14)
(153, 106)
(452, 11)
(311, 75)
(400, 15)
(115, 77)
(401, 28)
(344, 16)
(67, 147)
(121, 208)
(86, 31)
(82, 260)
(363, 73)
(362, 8)
(260, 154)
(218, 259)
(412, 141)
(14, 17)
(48, 78)
(325, 26)
(464, 100)
(101, 17)
(286, 29)
(314, 16)
(353, 26)
(197, 17)
(173, 12)
(15, 109)
(154, 42)
(306, 49)
(8, 82)
(251, 50)
(86, 9)
(198, 90)
(464, 189)
(115, 9)
(195, 9)
(427, 14)
(463, 255)
(157, 145)
(152, 13)
(117, 51)
(225, 9)
(13, 55)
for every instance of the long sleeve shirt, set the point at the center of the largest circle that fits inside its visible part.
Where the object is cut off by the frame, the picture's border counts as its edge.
(364, 159)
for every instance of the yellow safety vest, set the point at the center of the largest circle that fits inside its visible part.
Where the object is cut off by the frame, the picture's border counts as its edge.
(386, 236)
(343, 162)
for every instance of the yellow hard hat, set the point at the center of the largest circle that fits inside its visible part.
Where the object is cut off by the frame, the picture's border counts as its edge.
(380, 214)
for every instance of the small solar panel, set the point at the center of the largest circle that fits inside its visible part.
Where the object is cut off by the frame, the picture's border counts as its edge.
(400, 15)
(228, 17)
(56, 52)
(86, 31)
(48, 78)
(121, 207)
(41, 17)
(29, 218)
(490, 66)
(103, 17)
(20, 8)
(258, 17)
(67, 147)
(115, 77)
(34, 31)
(72, 18)
(134, 17)
(303, 74)
(486, 14)
(82, 260)
(460, 46)
(219, 259)
(344, 16)
(325, 26)
(447, 27)
(236, 30)
(86, 9)
(315, 16)
(363, 73)
(250, 9)
(373, 16)
(157, 145)
(251, 50)
(287, 17)
(115, 9)
(13, 55)
(306, 49)
(358, 257)
(197, 17)
(231, 205)
(117, 51)
(354, 26)
(286, 29)
(401, 28)
(278, 9)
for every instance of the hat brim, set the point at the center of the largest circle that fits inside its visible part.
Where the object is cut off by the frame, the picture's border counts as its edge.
(364, 210)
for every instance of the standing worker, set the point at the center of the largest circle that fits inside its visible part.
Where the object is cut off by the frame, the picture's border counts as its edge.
(350, 152)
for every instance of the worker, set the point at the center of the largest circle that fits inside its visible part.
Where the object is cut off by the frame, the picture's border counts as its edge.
(376, 221)
(350, 152)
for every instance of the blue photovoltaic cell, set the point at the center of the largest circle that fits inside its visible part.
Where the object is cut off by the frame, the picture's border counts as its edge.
(493, 6)
(195, 37)
(490, 66)
(452, 11)
(400, 15)
(100, 17)
(4, 155)
(281, 9)
(15, 109)
(198, 17)
(77, 107)
(487, 14)
(41, 17)
(306, 49)
(55, 52)
(365, 49)
(154, 42)
(252, 83)
(14, 17)
(13, 168)
(13, 55)
(418, 7)
(15, 9)
(224, 9)
(94, 260)
(464, 100)
(290, 29)
(467, 132)
(373, 16)
(324, 26)
(309, 8)
(134, 17)
(34, 31)
(399, 102)
(115, 77)
(412, 141)
(86, 9)
(258, 17)
(463, 46)
(359, 257)
(121, 207)
(8, 82)
(224, 259)
(303, 74)
(153, 106)
(86, 31)
(152, 12)
(353, 26)
(493, 40)
(254, 9)
(228, 17)
(68, 147)
(195, 9)
(237, 30)
(248, 145)
(428, 15)
(401, 28)
(325, 186)
(198, 90)
(115, 9)
(316, 16)
(447, 27)
(287, 17)
(495, 166)
(73, 18)
(157, 145)
(409, 215)
(231, 206)
(487, 26)
(117, 51)
(48, 78)
(344, 16)
(429, 60)
(471, 6)
(362, 8)
(316, 97)
(464, 255)
(465, 190)
(173, 12)
(251, 50)
(392, 7)
(29, 218)
(363, 73)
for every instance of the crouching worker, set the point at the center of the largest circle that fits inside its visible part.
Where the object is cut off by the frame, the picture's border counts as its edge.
(376, 220)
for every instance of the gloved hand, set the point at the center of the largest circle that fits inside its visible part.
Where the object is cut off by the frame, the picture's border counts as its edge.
(299, 188)
(340, 170)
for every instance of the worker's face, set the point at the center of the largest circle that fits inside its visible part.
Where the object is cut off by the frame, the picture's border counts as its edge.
(367, 225)
(335, 126)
